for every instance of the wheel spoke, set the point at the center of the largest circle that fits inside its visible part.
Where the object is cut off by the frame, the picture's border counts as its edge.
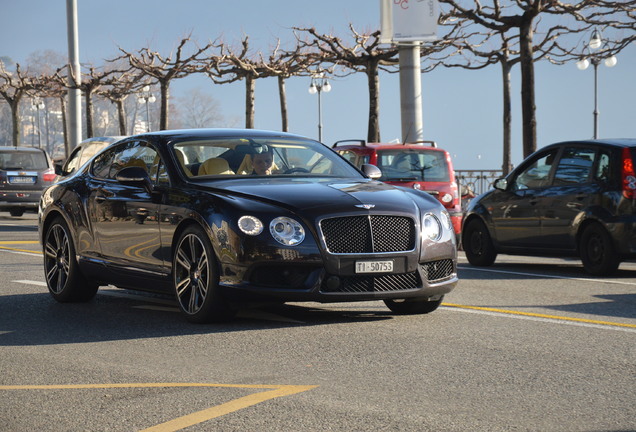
(183, 260)
(182, 286)
(51, 274)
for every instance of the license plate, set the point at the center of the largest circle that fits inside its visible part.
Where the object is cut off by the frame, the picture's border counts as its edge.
(22, 180)
(374, 266)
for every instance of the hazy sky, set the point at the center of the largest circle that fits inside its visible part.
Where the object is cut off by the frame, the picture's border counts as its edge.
(462, 109)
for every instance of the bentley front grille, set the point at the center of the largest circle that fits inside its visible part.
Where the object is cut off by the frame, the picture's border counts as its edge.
(368, 234)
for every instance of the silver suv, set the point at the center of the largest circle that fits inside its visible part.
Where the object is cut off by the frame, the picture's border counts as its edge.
(24, 173)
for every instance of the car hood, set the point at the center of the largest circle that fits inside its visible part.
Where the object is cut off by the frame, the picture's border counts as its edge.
(323, 195)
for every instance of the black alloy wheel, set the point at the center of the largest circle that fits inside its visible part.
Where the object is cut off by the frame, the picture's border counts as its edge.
(597, 251)
(196, 279)
(63, 277)
(477, 244)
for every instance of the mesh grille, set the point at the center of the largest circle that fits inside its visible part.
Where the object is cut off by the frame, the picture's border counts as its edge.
(383, 283)
(436, 271)
(368, 234)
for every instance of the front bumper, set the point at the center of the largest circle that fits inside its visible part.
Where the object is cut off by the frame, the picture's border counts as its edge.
(312, 282)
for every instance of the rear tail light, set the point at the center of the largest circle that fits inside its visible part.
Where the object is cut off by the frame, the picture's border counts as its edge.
(628, 174)
(49, 175)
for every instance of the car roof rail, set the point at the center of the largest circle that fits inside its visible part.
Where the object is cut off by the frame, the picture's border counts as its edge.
(360, 142)
(431, 143)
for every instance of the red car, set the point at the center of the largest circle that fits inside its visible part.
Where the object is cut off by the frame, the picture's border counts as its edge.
(418, 165)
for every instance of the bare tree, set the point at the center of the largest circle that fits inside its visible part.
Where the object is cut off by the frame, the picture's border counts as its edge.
(477, 50)
(283, 65)
(231, 66)
(521, 16)
(165, 69)
(13, 87)
(363, 55)
(117, 88)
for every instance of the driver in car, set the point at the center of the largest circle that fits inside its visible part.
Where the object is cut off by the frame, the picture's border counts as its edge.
(262, 163)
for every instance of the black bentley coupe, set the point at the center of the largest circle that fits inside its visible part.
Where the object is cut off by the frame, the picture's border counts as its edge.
(220, 217)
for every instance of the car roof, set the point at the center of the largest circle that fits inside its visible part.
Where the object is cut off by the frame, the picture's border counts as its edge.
(220, 133)
(362, 144)
(103, 139)
(27, 149)
(619, 142)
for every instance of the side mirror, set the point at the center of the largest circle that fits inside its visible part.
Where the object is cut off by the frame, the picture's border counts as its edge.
(501, 184)
(134, 176)
(371, 171)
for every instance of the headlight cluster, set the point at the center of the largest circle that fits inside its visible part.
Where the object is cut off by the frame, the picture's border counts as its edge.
(433, 228)
(285, 231)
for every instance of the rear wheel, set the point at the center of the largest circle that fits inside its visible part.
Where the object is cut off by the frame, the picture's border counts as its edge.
(63, 277)
(413, 306)
(477, 244)
(597, 251)
(196, 279)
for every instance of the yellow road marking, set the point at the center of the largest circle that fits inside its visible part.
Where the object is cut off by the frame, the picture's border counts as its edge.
(536, 315)
(20, 250)
(274, 391)
(19, 242)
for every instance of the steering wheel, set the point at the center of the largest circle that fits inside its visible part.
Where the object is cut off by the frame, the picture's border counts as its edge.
(296, 170)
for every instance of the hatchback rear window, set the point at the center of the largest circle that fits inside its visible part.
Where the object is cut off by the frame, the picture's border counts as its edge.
(413, 165)
(22, 160)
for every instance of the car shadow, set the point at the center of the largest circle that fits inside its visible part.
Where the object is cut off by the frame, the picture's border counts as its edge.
(614, 306)
(18, 228)
(521, 271)
(37, 319)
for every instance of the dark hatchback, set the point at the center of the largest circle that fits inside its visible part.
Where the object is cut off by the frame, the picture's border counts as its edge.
(24, 173)
(183, 212)
(575, 198)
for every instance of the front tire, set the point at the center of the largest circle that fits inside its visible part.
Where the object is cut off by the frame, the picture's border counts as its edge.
(196, 279)
(412, 306)
(64, 279)
(477, 244)
(597, 251)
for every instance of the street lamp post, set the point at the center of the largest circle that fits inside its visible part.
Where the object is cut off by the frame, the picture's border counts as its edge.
(595, 57)
(147, 97)
(38, 105)
(319, 83)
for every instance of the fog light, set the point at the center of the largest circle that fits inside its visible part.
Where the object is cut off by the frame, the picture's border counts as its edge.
(250, 225)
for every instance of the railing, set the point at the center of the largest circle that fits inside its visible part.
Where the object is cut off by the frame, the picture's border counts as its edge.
(475, 182)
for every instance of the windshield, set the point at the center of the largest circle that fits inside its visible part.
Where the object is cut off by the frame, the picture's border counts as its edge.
(259, 157)
(22, 160)
(413, 165)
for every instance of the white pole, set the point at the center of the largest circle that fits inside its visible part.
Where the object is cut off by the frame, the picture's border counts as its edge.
(75, 77)
(411, 92)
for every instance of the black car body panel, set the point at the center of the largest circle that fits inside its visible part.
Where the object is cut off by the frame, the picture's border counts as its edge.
(125, 231)
(583, 183)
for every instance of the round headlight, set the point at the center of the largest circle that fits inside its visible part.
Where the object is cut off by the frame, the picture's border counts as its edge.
(250, 225)
(287, 231)
(431, 227)
(446, 198)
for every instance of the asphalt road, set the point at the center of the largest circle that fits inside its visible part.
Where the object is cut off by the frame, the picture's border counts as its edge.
(529, 344)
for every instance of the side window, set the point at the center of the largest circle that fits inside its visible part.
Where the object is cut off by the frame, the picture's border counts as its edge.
(129, 154)
(537, 174)
(574, 166)
(603, 168)
(73, 162)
